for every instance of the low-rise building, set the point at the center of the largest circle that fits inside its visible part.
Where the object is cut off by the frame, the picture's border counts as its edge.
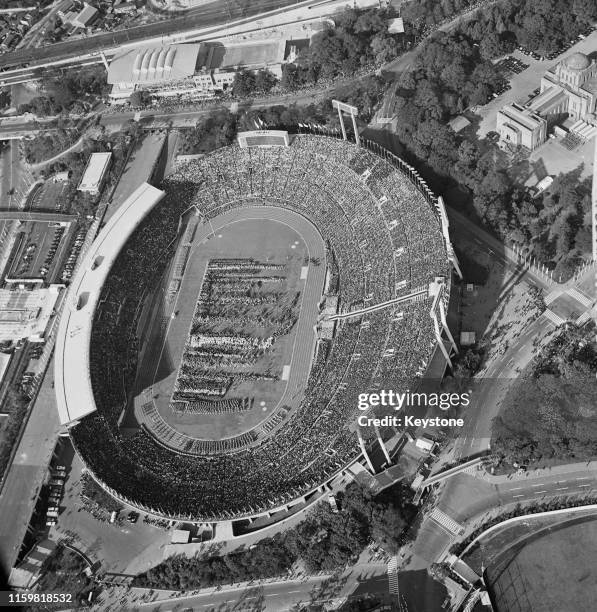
(520, 126)
(425, 444)
(95, 173)
(122, 8)
(26, 313)
(80, 19)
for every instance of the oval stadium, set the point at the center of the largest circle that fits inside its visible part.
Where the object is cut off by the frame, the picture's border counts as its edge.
(220, 328)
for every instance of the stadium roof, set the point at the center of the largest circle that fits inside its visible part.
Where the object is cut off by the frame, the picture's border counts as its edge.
(74, 394)
(154, 64)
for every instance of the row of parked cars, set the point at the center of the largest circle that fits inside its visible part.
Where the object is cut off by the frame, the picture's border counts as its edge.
(51, 254)
(511, 65)
(559, 51)
(56, 484)
(71, 262)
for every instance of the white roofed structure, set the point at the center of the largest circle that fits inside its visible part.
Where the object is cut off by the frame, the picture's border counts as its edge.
(25, 314)
(74, 394)
(152, 65)
(95, 172)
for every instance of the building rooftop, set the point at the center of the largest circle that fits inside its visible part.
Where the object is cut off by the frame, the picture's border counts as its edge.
(154, 64)
(215, 56)
(577, 61)
(546, 99)
(87, 14)
(94, 172)
(26, 313)
(521, 115)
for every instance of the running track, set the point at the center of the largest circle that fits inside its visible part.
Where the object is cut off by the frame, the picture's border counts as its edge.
(304, 338)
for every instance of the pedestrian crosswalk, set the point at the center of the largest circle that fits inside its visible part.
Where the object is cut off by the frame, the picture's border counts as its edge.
(447, 522)
(553, 317)
(393, 576)
(580, 297)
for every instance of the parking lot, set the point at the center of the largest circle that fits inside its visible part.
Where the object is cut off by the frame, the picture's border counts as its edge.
(48, 196)
(510, 65)
(122, 546)
(39, 250)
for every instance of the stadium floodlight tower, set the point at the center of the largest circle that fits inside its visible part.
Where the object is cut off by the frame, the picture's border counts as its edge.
(353, 111)
(437, 312)
(441, 209)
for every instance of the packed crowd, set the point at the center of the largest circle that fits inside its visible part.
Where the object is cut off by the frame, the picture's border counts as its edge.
(385, 241)
(222, 352)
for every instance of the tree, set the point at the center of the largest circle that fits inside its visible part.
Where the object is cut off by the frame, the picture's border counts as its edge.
(264, 80)
(384, 47)
(490, 46)
(585, 10)
(140, 97)
(291, 78)
(243, 84)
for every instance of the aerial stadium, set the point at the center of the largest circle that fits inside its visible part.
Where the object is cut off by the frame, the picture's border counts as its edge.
(220, 328)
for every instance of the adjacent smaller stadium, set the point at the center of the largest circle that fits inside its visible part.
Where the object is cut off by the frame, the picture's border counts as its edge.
(223, 341)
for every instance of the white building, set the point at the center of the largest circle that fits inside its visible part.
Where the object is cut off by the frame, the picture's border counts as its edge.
(570, 87)
(25, 314)
(568, 90)
(95, 173)
(425, 444)
(520, 126)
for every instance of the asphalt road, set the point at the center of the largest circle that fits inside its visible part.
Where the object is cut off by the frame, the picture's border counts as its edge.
(466, 498)
(151, 119)
(213, 14)
(492, 387)
(26, 474)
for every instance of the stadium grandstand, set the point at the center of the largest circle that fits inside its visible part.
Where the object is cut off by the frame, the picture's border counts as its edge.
(384, 239)
(74, 394)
